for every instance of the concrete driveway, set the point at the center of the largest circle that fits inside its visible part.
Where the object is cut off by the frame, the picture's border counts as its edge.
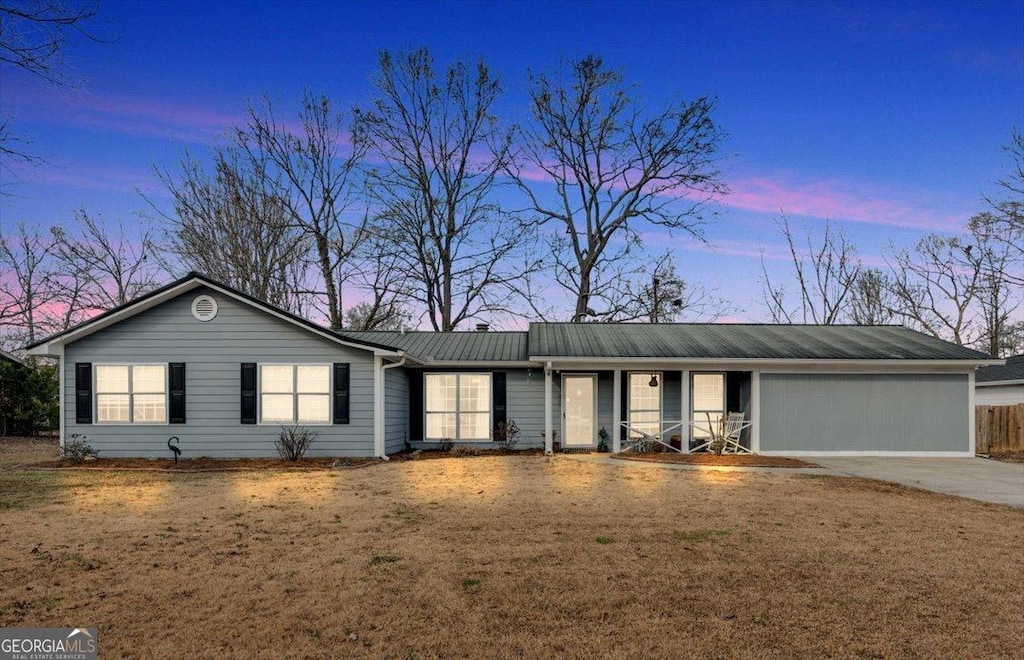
(976, 478)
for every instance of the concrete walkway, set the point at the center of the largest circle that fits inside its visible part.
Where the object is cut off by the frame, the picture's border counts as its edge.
(977, 478)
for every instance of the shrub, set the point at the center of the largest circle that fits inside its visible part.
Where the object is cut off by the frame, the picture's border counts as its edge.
(293, 442)
(77, 449)
(463, 450)
(602, 443)
(28, 398)
(445, 444)
(506, 436)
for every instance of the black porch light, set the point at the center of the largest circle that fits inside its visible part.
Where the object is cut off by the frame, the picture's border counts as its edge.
(654, 380)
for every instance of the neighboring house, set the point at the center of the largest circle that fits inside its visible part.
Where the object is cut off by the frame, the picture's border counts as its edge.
(223, 372)
(1000, 385)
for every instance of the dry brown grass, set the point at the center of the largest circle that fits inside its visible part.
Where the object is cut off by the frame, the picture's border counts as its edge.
(509, 557)
(719, 460)
(26, 451)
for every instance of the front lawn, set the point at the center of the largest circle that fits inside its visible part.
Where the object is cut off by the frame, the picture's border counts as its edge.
(508, 556)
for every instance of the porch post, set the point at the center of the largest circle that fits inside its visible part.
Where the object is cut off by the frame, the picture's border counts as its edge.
(549, 446)
(684, 409)
(755, 411)
(616, 411)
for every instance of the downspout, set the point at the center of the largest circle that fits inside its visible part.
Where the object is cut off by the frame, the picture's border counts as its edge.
(381, 406)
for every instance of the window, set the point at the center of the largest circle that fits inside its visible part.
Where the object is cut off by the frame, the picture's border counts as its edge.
(708, 401)
(131, 393)
(645, 403)
(458, 406)
(295, 394)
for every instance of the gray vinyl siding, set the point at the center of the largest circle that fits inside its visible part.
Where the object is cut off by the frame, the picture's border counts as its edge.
(524, 401)
(864, 412)
(212, 352)
(396, 409)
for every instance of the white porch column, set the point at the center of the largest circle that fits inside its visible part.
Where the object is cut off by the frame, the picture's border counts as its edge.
(616, 411)
(755, 411)
(378, 407)
(549, 446)
(972, 416)
(684, 410)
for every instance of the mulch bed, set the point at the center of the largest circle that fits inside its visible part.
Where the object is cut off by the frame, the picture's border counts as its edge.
(1007, 457)
(461, 452)
(206, 464)
(725, 460)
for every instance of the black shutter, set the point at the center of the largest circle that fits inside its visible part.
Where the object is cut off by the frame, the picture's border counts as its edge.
(498, 380)
(176, 379)
(248, 392)
(416, 405)
(341, 382)
(83, 393)
(624, 391)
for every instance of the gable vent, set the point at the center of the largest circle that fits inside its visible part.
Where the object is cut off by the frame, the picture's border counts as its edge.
(204, 308)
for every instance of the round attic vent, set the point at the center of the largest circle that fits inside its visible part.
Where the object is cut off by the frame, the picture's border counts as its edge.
(204, 308)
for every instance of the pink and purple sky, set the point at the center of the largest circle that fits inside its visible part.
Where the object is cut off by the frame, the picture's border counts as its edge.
(886, 118)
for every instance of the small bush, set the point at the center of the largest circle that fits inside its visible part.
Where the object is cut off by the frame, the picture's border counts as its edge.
(445, 444)
(463, 450)
(506, 436)
(293, 442)
(77, 449)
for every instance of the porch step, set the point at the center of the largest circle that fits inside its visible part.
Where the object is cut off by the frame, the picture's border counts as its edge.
(577, 450)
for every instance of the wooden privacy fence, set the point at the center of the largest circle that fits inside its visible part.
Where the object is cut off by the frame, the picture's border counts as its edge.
(999, 429)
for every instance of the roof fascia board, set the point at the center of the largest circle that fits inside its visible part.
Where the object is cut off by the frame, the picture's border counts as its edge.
(612, 363)
(494, 364)
(998, 383)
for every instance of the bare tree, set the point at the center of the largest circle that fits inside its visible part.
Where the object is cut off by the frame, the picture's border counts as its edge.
(439, 152)
(317, 164)
(28, 288)
(1004, 222)
(33, 38)
(825, 274)
(383, 279)
(1000, 289)
(667, 297)
(104, 266)
(232, 224)
(936, 287)
(872, 301)
(616, 168)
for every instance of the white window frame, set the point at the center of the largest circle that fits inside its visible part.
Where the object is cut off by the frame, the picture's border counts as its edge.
(294, 393)
(629, 401)
(457, 412)
(693, 411)
(131, 393)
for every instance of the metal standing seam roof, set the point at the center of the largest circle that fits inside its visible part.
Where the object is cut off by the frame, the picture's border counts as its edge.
(472, 346)
(1013, 370)
(741, 341)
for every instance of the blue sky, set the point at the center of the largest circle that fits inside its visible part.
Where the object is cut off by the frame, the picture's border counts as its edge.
(885, 117)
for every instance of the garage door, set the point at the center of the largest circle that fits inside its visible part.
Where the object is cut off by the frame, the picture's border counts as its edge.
(864, 413)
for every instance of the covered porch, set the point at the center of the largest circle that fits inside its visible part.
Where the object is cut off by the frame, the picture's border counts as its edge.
(640, 406)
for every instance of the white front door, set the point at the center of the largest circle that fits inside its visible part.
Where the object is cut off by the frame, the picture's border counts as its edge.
(579, 394)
